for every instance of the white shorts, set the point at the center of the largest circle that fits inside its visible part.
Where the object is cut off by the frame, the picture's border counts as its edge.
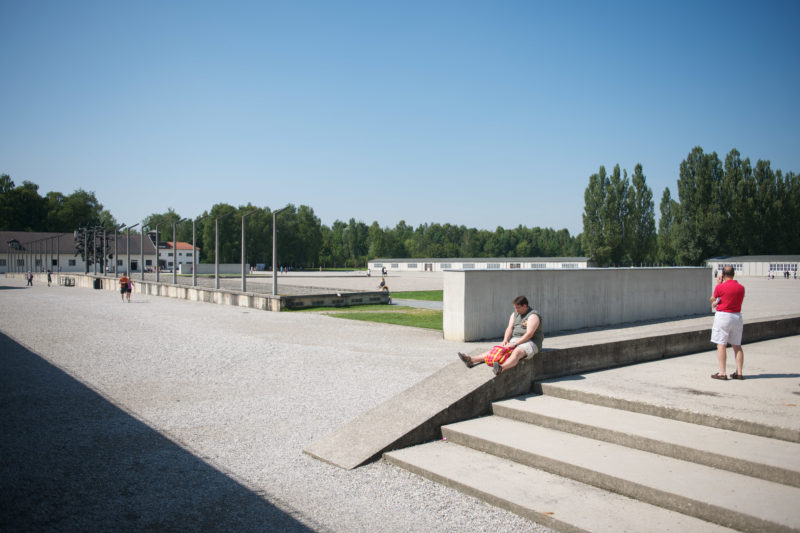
(528, 347)
(727, 328)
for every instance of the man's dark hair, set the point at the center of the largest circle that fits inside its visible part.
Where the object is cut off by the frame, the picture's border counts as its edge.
(520, 300)
(728, 271)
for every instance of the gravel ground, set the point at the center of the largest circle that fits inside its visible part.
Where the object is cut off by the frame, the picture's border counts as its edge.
(170, 415)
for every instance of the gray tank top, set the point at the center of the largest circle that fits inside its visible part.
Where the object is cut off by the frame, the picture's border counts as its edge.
(521, 327)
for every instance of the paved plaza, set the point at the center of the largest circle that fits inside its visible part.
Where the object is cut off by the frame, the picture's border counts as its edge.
(175, 415)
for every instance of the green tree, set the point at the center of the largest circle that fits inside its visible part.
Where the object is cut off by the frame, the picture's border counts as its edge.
(666, 229)
(699, 219)
(640, 227)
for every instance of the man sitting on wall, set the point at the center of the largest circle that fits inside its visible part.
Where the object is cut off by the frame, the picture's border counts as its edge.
(523, 337)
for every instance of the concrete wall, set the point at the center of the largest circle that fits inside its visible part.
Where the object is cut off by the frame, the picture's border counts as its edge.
(261, 301)
(477, 304)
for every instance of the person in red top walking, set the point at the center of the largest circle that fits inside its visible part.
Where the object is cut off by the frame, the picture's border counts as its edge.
(727, 302)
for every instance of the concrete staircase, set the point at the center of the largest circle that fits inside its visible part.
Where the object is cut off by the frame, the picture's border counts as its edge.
(578, 466)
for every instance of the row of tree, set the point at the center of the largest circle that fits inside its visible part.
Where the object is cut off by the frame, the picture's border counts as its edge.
(729, 208)
(304, 241)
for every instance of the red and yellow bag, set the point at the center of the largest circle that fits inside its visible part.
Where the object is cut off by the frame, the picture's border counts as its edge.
(498, 354)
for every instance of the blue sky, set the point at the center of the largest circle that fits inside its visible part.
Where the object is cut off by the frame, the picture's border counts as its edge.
(484, 113)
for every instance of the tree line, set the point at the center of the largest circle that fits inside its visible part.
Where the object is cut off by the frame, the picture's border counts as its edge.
(303, 242)
(730, 208)
(723, 208)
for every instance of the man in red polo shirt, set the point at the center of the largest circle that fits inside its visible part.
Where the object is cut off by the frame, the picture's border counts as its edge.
(727, 302)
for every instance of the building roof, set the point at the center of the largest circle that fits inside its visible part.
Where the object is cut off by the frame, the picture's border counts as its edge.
(485, 260)
(180, 245)
(17, 241)
(64, 243)
(755, 259)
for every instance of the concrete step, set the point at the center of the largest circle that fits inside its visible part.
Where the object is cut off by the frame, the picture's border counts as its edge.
(751, 455)
(607, 397)
(551, 500)
(725, 498)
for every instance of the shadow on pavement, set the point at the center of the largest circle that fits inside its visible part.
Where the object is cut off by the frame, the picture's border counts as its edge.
(72, 461)
(769, 376)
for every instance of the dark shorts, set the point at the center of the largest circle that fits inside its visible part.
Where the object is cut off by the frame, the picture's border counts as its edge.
(123, 289)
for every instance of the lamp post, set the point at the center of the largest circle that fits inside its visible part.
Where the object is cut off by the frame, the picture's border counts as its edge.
(103, 267)
(216, 250)
(116, 248)
(194, 249)
(141, 249)
(275, 249)
(157, 252)
(128, 249)
(94, 249)
(175, 253)
(244, 255)
(86, 249)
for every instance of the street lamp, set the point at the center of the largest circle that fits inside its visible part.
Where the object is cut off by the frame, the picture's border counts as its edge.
(141, 252)
(216, 250)
(194, 250)
(128, 249)
(86, 250)
(116, 249)
(175, 253)
(275, 249)
(158, 267)
(244, 274)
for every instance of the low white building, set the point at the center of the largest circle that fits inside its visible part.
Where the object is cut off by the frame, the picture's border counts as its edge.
(171, 254)
(758, 265)
(478, 263)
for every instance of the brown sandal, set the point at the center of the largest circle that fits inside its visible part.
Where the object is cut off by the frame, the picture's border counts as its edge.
(736, 376)
(719, 376)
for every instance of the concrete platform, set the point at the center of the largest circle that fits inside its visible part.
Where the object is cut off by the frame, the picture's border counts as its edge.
(766, 403)
(455, 393)
(633, 435)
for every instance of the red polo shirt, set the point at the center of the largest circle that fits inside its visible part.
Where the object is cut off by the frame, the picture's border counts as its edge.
(731, 293)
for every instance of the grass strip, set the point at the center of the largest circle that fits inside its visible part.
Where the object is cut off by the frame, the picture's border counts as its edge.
(418, 318)
(384, 308)
(430, 296)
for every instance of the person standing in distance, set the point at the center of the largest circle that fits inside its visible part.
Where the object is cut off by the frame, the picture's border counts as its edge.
(727, 304)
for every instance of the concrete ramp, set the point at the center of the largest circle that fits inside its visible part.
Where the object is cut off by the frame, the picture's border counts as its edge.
(456, 393)
(417, 414)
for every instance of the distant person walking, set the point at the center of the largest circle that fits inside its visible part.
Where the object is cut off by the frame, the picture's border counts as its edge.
(30, 278)
(124, 282)
(523, 337)
(49, 278)
(728, 325)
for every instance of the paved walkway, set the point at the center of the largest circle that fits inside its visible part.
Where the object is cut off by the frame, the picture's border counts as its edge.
(182, 415)
(165, 414)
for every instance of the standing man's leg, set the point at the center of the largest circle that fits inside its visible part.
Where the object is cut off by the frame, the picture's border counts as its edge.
(722, 356)
(739, 359)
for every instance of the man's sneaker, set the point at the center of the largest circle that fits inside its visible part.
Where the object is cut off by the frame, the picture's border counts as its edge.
(496, 368)
(465, 359)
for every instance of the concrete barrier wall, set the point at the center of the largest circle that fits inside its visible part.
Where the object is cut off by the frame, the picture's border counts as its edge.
(477, 303)
(261, 301)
